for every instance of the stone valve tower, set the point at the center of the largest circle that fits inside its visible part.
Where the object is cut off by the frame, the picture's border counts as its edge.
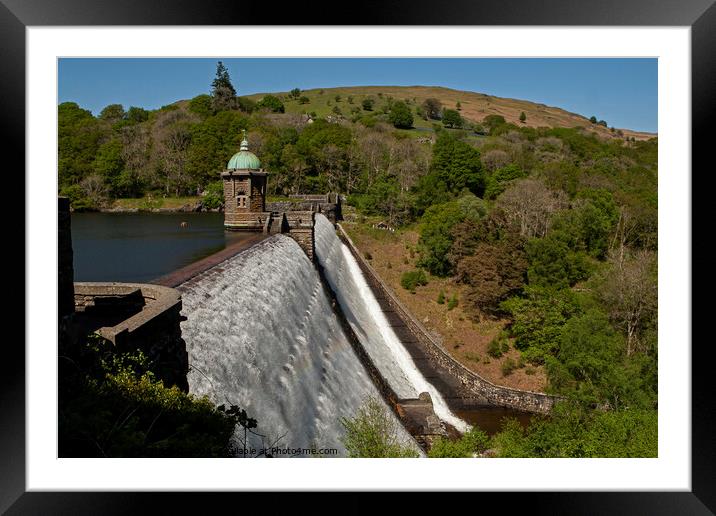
(244, 191)
(245, 206)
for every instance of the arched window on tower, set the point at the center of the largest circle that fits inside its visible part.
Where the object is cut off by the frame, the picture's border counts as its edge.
(241, 201)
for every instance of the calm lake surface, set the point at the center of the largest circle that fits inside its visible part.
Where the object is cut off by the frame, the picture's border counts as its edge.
(139, 247)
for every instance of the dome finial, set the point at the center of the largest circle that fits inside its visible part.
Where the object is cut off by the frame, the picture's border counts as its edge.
(244, 142)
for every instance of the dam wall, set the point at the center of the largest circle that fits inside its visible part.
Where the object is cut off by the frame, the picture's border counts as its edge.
(261, 333)
(373, 329)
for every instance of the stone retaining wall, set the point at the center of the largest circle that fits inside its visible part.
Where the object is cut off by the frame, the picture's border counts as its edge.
(138, 316)
(473, 383)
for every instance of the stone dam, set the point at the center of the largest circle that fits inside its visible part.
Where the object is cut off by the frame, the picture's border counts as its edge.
(298, 339)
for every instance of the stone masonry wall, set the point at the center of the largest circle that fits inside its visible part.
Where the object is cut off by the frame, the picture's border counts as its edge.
(529, 401)
(329, 209)
(301, 229)
(152, 326)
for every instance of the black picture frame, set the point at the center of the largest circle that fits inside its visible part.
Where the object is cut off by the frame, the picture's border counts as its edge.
(16, 15)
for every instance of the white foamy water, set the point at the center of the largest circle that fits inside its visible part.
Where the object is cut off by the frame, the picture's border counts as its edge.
(261, 334)
(370, 324)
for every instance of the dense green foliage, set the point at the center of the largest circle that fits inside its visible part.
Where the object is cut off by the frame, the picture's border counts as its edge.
(574, 432)
(451, 118)
(500, 179)
(470, 444)
(271, 103)
(111, 405)
(435, 238)
(538, 317)
(375, 432)
(411, 279)
(400, 115)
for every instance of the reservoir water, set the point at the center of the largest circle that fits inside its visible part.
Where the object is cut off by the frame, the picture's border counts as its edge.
(139, 247)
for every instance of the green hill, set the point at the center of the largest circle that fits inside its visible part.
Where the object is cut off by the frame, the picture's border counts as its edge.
(474, 106)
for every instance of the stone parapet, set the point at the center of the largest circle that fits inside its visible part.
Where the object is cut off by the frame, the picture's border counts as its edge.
(251, 221)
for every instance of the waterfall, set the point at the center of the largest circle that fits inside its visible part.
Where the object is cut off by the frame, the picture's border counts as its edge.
(370, 324)
(261, 334)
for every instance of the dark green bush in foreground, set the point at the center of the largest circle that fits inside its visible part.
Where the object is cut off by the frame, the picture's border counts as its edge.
(113, 406)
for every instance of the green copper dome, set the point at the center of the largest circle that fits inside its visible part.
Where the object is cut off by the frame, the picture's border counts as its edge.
(244, 159)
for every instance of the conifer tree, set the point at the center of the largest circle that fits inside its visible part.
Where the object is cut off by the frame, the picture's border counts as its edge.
(223, 92)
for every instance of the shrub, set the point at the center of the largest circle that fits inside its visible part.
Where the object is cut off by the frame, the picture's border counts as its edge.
(368, 104)
(401, 116)
(453, 302)
(374, 432)
(112, 405)
(213, 195)
(494, 349)
(452, 118)
(504, 346)
(508, 366)
(202, 105)
(368, 121)
(473, 356)
(271, 103)
(471, 442)
(411, 279)
(441, 298)
(304, 100)
(530, 371)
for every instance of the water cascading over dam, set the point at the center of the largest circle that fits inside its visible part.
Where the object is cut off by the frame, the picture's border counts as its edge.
(261, 334)
(370, 324)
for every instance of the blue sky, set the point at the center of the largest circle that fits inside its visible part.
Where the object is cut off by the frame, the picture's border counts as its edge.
(621, 91)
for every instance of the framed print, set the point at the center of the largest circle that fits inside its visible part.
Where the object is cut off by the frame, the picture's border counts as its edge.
(427, 239)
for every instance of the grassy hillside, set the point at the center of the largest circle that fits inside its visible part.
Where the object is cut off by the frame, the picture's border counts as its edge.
(474, 106)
